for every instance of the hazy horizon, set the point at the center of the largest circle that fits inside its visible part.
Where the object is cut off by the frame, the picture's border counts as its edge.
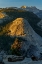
(19, 3)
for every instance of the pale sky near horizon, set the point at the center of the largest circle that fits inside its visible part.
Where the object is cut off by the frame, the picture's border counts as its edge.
(19, 3)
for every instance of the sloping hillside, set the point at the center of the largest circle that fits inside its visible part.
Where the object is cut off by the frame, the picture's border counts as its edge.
(20, 29)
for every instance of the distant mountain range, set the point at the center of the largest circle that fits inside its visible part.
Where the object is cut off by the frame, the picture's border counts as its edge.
(34, 10)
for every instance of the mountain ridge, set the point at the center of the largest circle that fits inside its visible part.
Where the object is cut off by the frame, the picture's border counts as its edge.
(19, 26)
(33, 9)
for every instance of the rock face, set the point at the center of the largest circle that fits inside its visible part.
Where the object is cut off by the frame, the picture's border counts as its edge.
(2, 15)
(25, 34)
(17, 27)
(21, 28)
(24, 7)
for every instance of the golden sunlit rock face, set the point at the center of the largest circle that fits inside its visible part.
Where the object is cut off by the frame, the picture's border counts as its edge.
(17, 27)
(23, 7)
(2, 15)
(17, 44)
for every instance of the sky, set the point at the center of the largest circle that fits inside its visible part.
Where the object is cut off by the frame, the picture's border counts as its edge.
(19, 3)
